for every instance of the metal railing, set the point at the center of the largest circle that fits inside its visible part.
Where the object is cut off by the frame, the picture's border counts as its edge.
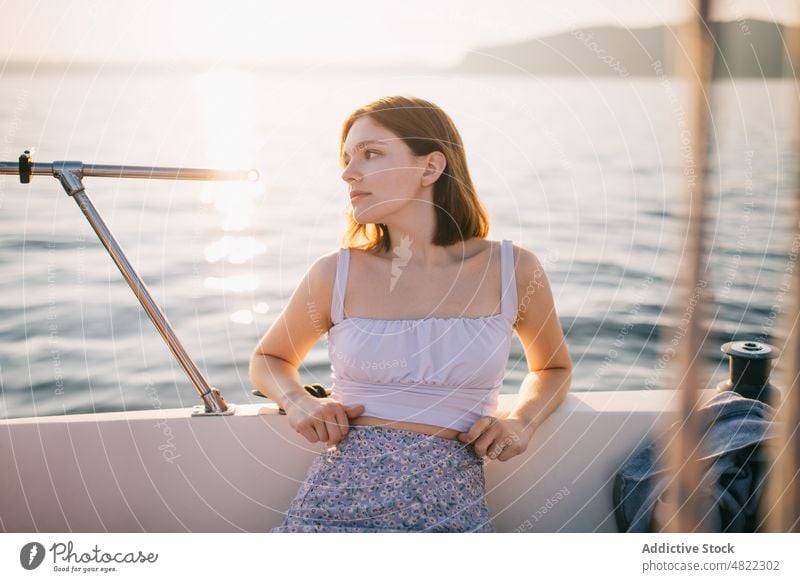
(70, 174)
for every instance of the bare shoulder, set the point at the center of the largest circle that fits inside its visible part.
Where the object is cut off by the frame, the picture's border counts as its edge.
(321, 278)
(306, 315)
(529, 272)
(324, 267)
(537, 324)
(525, 258)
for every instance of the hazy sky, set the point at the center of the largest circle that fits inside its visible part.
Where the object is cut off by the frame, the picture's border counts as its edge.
(436, 32)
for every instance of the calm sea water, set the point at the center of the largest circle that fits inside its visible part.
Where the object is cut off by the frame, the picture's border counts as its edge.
(589, 174)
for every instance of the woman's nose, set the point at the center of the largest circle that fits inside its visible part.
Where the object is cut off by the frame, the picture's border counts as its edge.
(349, 174)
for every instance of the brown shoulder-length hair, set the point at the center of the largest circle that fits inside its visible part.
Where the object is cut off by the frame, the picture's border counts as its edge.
(425, 128)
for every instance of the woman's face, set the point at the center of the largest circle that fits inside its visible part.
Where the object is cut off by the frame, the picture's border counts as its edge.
(380, 163)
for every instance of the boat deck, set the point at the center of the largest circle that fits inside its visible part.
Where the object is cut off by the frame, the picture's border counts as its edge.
(166, 471)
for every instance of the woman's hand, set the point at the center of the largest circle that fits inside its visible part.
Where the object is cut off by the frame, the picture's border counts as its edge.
(321, 419)
(498, 437)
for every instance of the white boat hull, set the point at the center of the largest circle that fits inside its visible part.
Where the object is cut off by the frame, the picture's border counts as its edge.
(166, 471)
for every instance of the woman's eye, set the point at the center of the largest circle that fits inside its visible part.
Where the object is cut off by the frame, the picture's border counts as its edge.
(366, 155)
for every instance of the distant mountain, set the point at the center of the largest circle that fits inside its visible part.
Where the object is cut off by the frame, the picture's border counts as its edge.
(746, 48)
(127, 68)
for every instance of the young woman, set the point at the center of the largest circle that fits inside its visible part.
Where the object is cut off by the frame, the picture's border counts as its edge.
(419, 307)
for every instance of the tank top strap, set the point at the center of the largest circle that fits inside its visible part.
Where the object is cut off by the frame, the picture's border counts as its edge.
(508, 304)
(337, 305)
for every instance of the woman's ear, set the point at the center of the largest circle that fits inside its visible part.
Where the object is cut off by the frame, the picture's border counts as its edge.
(433, 168)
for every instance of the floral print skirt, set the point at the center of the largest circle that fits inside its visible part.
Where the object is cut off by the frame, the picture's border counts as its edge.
(380, 479)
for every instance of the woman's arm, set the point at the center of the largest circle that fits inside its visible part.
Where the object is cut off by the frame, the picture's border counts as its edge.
(277, 379)
(279, 354)
(549, 365)
(541, 393)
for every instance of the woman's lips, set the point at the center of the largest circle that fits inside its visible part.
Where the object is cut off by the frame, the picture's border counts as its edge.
(356, 195)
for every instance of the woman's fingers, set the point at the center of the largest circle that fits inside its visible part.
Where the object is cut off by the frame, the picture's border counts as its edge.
(333, 429)
(507, 444)
(486, 439)
(309, 434)
(477, 429)
(331, 425)
(321, 420)
(498, 442)
(343, 420)
(507, 453)
(504, 448)
(322, 432)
